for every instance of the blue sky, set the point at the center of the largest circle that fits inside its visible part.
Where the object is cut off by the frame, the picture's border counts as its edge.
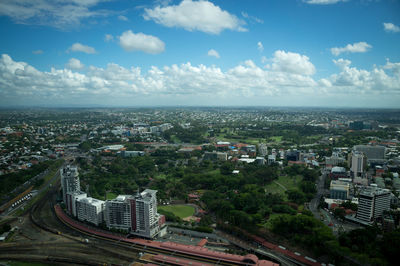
(145, 53)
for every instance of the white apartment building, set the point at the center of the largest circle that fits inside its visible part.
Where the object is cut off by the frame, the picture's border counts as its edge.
(71, 199)
(90, 210)
(146, 214)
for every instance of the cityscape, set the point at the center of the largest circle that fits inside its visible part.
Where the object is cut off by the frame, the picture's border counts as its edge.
(199, 132)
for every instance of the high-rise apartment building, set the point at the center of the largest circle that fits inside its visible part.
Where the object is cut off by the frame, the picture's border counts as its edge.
(90, 210)
(69, 180)
(71, 199)
(136, 213)
(118, 213)
(146, 214)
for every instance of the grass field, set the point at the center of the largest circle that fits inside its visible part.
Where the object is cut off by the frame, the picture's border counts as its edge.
(182, 211)
(286, 183)
(276, 138)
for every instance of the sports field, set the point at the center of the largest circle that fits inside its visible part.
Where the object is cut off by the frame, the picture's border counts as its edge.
(182, 211)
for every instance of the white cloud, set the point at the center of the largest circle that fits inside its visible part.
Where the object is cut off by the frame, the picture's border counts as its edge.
(292, 63)
(37, 52)
(195, 15)
(359, 47)
(78, 47)
(260, 46)
(288, 78)
(108, 37)
(323, 2)
(123, 18)
(390, 27)
(59, 14)
(252, 18)
(74, 63)
(141, 42)
(353, 80)
(214, 53)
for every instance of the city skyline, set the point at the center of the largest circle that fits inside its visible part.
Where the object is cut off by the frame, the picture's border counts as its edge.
(325, 53)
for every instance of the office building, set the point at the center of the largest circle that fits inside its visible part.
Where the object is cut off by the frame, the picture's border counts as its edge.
(69, 180)
(372, 202)
(358, 164)
(90, 210)
(373, 153)
(293, 155)
(334, 160)
(339, 190)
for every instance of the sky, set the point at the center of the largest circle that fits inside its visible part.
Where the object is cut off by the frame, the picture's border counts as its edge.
(322, 53)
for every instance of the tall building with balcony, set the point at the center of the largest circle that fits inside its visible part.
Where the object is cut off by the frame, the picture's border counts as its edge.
(146, 215)
(69, 180)
(118, 213)
(90, 210)
(71, 200)
(136, 214)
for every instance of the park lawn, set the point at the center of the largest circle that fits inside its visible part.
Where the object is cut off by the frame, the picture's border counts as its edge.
(182, 211)
(286, 181)
(111, 195)
(276, 138)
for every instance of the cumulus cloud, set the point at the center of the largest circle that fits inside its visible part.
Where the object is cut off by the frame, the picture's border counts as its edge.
(108, 37)
(390, 27)
(78, 47)
(359, 47)
(74, 63)
(195, 16)
(260, 46)
(292, 63)
(37, 52)
(141, 42)
(20, 81)
(123, 18)
(59, 14)
(214, 53)
(353, 80)
(323, 2)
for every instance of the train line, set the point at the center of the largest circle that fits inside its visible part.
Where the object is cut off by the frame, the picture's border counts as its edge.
(167, 248)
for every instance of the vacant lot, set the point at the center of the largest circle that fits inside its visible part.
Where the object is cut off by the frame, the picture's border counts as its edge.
(182, 211)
